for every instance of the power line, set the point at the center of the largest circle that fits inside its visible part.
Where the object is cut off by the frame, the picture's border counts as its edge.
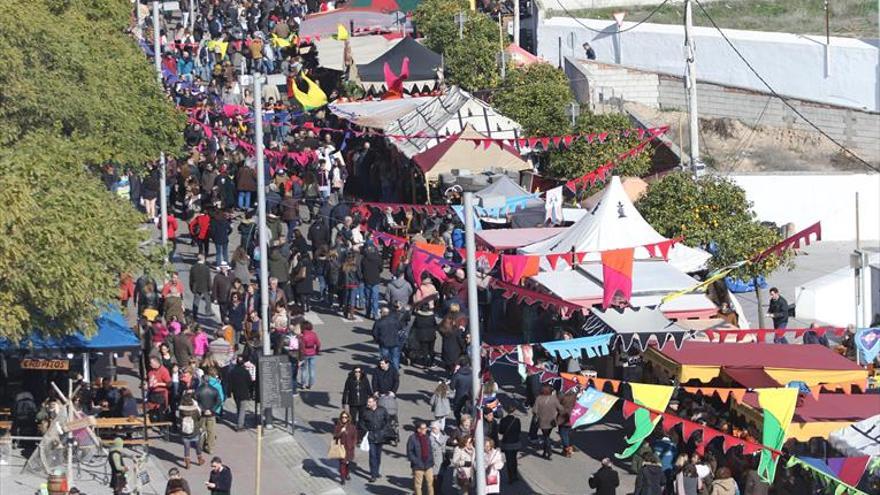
(782, 98)
(648, 17)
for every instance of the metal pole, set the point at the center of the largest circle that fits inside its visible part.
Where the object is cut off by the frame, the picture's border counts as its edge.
(259, 458)
(516, 22)
(474, 325)
(157, 49)
(163, 199)
(192, 16)
(691, 87)
(70, 439)
(827, 39)
(460, 24)
(261, 212)
(559, 49)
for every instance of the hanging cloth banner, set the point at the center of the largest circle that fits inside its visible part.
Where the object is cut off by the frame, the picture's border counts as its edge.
(525, 358)
(778, 405)
(594, 346)
(529, 297)
(459, 211)
(553, 205)
(591, 406)
(793, 241)
(846, 469)
(396, 207)
(841, 487)
(617, 266)
(312, 99)
(712, 278)
(516, 266)
(425, 258)
(654, 397)
(486, 260)
(867, 342)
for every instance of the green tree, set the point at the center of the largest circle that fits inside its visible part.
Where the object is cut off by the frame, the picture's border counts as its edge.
(583, 157)
(470, 60)
(536, 96)
(75, 92)
(711, 211)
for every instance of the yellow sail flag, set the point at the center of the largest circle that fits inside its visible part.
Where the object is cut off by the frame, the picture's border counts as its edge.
(654, 397)
(712, 278)
(218, 46)
(341, 33)
(311, 99)
(778, 405)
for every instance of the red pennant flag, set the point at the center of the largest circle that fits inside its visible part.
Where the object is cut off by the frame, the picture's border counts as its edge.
(664, 247)
(652, 250)
(567, 140)
(617, 268)
(762, 336)
(688, 428)
(731, 441)
(629, 408)
(556, 140)
(580, 257)
(545, 143)
(521, 143)
(779, 333)
(487, 143)
(568, 257)
(590, 138)
(641, 133)
(532, 142)
(626, 132)
(603, 136)
(553, 259)
(750, 448)
(670, 421)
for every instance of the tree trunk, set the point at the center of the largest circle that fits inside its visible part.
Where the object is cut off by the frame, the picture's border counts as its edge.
(759, 296)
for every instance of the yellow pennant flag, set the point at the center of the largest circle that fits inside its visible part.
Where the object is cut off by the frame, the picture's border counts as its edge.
(218, 46)
(712, 278)
(341, 33)
(654, 397)
(778, 405)
(311, 99)
(280, 42)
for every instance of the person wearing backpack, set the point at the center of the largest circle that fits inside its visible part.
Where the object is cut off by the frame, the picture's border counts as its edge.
(210, 399)
(190, 417)
(240, 389)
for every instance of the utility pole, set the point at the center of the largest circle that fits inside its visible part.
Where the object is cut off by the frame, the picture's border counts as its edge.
(460, 18)
(163, 196)
(516, 22)
(827, 39)
(192, 16)
(503, 54)
(691, 87)
(474, 325)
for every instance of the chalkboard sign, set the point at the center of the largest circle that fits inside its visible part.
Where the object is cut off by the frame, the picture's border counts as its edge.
(276, 381)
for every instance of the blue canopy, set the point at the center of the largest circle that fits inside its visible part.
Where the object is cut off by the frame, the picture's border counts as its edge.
(113, 334)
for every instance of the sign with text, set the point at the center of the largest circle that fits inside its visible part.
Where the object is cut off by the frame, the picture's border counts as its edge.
(275, 376)
(45, 364)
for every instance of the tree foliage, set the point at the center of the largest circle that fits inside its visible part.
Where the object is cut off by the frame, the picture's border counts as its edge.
(70, 70)
(536, 96)
(470, 61)
(75, 92)
(711, 212)
(583, 157)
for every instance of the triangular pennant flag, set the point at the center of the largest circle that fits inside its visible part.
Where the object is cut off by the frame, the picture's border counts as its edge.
(750, 448)
(688, 428)
(654, 397)
(552, 259)
(778, 405)
(545, 143)
(603, 136)
(487, 143)
(556, 140)
(664, 247)
(532, 142)
(641, 133)
(738, 394)
(731, 441)
(567, 140)
(629, 408)
(670, 421)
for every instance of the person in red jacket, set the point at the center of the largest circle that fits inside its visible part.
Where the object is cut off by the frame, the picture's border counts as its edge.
(200, 230)
(310, 347)
(172, 235)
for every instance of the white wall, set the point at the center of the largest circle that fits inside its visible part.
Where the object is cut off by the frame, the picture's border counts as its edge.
(806, 199)
(794, 65)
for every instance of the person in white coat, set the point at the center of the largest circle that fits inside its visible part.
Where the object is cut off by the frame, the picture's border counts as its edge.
(494, 465)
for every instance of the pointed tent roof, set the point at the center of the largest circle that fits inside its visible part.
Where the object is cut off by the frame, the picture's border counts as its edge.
(456, 152)
(502, 185)
(326, 23)
(615, 224)
(423, 64)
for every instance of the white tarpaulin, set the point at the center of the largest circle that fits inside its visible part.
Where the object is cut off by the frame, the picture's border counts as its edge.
(858, 439)
(376, 113)
(364, 49)
(615, 224)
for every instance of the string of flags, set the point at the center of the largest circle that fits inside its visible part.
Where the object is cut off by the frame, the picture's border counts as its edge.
(600, 173)
(793, 241)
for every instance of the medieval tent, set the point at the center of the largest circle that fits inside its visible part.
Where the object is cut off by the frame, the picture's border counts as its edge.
(465, 150)
(423, 67)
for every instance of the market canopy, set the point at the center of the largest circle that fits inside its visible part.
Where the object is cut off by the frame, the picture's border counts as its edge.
(331, 52)
(616, 224)
(636, 325)
(423, 66)
(113, 334)
(445, 115)
(376, 113)
(858, 439)
(811, 364)
(327, 23)
(817, 418)
(464, 151)
(504, 239)
(387, 5)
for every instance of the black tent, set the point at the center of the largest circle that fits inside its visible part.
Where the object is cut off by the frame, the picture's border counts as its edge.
(423, 65)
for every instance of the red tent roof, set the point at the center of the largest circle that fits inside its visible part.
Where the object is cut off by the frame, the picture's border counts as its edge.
(469, 153)
(756, 355)
(829, 407)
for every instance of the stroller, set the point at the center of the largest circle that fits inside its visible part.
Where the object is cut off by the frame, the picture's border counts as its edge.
(389, 402)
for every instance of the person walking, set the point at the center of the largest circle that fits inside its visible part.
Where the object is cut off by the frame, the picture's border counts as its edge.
(220, 480)
(310, 347)
(438, 441)
(345, 433)
(724, 484)
(778, 311)
(221, 287)
(510, 429)
(386, 379)
(374, 422)
(494, 463)
(386, 332)
(463, 463)
(240, 385)
(424, 331)
(371, 270)
(605, 480)
(190, 417)
(461, 383)
(355, 393)
(220, 230)
(209, 400)
(563, 420)
(547, 409)
(441, 407)
(200, 232)
(650, 478)
(200, 286)
(117, 467)
(421, 459)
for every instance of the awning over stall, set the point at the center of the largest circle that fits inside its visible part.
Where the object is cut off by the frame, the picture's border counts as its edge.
(376, 113)
(637, 326)
(364, 49)
(463, 150)
(113, 334)
(817, 418)
(327, 23)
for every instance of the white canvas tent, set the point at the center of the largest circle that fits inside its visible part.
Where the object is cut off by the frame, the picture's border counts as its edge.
(858, 439)
(364, 49)
(614, 224)
(376, 114)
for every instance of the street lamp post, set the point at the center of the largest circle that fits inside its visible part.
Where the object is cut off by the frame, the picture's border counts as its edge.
(573, 110)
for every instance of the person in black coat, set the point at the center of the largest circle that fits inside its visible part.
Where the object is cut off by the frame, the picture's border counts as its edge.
(778, 309)
(240, 384)
(355, 393)
(220, 230)
(386, 332)
(371, 270)
(605, 481)
(461, 382)
(386, 379)
(375, 422)
(303, 280)
(510, 429)
(424, 331)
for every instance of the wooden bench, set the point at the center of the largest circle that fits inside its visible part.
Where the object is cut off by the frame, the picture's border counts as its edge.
(133, 441)
(133, 423)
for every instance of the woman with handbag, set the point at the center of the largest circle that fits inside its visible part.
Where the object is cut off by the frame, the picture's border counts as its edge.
(463, 464)
(344, 442)
(494, 464)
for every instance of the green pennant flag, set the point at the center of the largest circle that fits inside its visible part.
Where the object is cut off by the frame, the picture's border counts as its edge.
(778, 405)
(655, 397)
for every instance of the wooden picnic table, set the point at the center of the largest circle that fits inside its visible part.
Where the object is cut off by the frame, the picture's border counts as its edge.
(130, 422)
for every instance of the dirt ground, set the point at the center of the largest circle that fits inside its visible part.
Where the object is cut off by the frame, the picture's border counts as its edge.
(729, 145)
